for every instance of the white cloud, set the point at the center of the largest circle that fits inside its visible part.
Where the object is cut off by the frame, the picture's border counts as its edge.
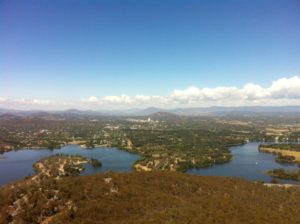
(143, 98)
(284, 91)
(41, 102)
(285, 88)
(91, 99)
(252, 91)
(123, 99)
(22, 103)
(31, 101)
(134, 100)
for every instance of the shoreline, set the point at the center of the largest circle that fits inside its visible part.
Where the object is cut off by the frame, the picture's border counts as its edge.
(138, 165)
(281, 151)
(142, 164)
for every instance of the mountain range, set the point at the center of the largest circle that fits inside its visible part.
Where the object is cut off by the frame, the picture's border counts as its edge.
(197, 111)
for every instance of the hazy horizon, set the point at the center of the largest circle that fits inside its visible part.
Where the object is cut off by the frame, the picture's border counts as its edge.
(94, 55)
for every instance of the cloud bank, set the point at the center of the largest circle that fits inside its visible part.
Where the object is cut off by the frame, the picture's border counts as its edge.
(284, 91)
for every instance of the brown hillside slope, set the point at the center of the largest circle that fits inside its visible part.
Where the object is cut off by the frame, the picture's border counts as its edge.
(154, 197)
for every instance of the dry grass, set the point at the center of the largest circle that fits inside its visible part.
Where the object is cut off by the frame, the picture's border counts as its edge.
(156, 197)
(296, 154)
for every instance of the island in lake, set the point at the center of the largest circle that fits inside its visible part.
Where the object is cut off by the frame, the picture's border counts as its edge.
(61, 165)
(165, 142)
(285, 153)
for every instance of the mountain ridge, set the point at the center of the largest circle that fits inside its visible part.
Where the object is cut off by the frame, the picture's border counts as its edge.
(190, 111)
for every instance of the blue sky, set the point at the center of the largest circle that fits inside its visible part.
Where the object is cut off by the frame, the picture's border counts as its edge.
(71, 50)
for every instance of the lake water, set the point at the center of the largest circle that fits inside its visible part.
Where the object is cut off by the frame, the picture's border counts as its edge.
(18, 164)
(248, 163)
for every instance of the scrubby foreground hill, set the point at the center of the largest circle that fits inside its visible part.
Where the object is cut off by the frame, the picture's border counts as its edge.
(153, 197)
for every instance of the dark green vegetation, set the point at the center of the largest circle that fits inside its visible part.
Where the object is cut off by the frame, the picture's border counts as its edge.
(180, 149)
(165, 141)
(284, 158)
(95, 163)
(285, 174)
(152, 197)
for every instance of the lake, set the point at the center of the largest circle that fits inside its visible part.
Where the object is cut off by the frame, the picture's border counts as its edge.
(18, 164)
(248, 163)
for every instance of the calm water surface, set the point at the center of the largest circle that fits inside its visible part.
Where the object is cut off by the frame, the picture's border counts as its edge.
(248, 163)
(18, 164)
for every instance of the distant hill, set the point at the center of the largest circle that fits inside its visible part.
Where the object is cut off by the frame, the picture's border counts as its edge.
(197, 111)
(163, 115)
(8, 116)
(222, 111)
(17, 112)
(148, 111)
(233, 111)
